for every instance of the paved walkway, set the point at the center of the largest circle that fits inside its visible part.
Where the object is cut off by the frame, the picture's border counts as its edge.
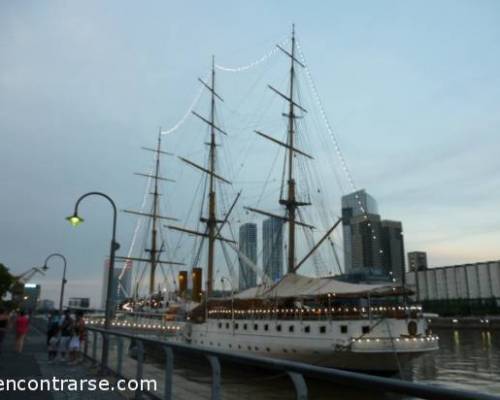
(33, 363)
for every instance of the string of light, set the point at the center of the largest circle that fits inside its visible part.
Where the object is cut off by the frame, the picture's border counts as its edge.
(330, 130)
(187, 114)
(253, 64)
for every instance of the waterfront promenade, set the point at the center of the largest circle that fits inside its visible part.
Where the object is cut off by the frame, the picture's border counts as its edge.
(33, 363)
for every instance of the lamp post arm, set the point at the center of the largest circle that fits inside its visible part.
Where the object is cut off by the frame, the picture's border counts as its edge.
(63, 283)
(107, 198)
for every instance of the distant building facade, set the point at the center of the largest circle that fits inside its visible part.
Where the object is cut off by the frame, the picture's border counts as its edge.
(417, 261)
(79, 302)
(354, 206)
(365, 250)
(369, 241)
(31, 294)
(467, 285)
(272, 248)
(393, 252)
(248, 246)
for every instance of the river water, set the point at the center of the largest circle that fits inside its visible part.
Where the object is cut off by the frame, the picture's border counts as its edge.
(467, 359)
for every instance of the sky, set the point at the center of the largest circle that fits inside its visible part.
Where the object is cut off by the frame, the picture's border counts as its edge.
(411, 90)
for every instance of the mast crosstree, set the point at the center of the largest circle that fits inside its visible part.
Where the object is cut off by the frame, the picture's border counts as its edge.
(154, 250)
(211, 221)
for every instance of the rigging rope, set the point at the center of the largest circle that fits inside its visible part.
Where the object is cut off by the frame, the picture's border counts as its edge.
(335, 142)
(187, 113)
(253, 64)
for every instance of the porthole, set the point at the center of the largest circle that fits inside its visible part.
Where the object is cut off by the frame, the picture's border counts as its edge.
(266, 327)
(307, 329)
(322, 329)
(220, 325)
(343, 328)
(278, 328)
(268, 349)
(291, 328)
(244, 327)
(365, 329)
(255, 327)
(227, 325)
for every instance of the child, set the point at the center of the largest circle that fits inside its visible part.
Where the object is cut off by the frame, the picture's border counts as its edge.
(53, 347)
(74, 345)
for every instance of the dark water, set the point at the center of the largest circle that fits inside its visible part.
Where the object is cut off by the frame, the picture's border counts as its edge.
(467, 359)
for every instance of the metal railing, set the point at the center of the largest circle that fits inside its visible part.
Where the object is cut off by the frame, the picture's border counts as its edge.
(295, 370)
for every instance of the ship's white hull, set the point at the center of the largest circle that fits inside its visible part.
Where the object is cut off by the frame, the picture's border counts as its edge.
(386, 347)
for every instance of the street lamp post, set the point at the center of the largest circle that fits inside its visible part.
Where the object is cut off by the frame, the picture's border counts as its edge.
(75, 220)
(63, 282)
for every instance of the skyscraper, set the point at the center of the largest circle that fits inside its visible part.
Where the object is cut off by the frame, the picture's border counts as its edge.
(354, 206)
(365, 241)
(248, 246)
(272, 248)
(393, 257)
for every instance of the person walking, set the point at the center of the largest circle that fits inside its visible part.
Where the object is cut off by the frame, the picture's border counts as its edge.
(53, 335)
(4, 324)
(22, 327)
(66, 326)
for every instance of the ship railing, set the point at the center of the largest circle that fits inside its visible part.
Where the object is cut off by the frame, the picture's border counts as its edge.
(296, 371)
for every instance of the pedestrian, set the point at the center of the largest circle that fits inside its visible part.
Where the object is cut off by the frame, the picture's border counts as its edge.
(53, 335)
(66, 327)
(4, 324)
(82, 332)
(22, 327)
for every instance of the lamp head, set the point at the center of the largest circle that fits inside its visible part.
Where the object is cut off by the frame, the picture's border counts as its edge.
(44, 267)
(74, 220)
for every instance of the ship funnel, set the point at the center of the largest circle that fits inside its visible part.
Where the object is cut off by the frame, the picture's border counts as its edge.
(183, 282)
(197, 274)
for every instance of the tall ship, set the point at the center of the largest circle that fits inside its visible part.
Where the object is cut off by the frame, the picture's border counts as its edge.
(319, 320)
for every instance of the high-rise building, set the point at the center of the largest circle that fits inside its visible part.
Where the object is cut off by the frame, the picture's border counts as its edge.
(393, 256)
(355, 205)
(417, 261)
(272, 248)
(248, 246)
(365, 242)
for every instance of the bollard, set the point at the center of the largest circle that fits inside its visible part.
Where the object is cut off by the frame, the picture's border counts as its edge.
(215, 364)
(119, 355)
(140, 362)
(169, 370)
(300, 385)
(94, 348)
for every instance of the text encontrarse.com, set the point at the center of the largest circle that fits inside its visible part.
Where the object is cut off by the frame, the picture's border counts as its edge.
(75, 385)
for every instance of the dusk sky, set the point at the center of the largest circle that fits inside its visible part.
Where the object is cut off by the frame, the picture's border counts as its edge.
(412, 90)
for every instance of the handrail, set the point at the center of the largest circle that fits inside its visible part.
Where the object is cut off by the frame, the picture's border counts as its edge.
(298, 370)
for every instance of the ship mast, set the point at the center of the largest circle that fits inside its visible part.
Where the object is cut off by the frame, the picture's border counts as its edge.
(290, 202)
(211, 220)
(212, 232)
(155, 250)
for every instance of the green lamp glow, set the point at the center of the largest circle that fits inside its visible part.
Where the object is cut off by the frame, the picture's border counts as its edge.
(75, 220)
